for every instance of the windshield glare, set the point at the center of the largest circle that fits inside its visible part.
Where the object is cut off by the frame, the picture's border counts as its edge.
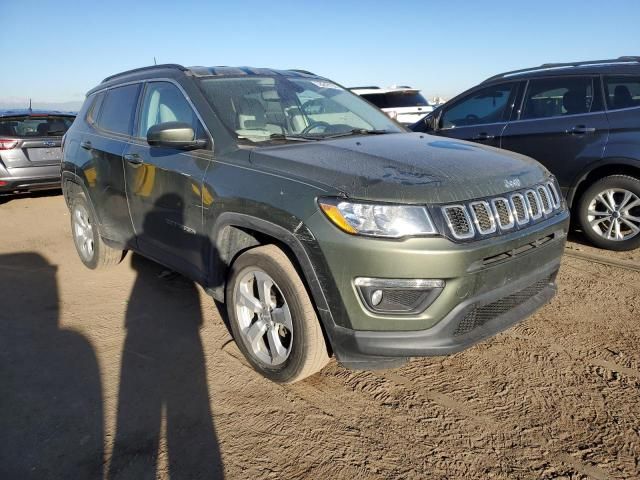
(260, 109)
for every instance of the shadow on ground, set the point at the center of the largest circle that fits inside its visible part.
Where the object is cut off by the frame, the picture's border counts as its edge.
(51, 410)
(163, 382)
(51, 420)
(35, 194)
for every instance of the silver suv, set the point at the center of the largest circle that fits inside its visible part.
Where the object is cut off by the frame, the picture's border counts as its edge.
(30, 149)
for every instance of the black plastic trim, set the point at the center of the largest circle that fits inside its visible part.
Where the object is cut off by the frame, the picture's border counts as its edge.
(440, 339)
(232, 219)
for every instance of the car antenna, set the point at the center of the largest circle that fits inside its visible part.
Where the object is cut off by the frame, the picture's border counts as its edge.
(30, 111)
(154, 61)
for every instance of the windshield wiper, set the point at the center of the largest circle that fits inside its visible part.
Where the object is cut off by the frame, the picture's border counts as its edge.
(297, 138)
(357, 131)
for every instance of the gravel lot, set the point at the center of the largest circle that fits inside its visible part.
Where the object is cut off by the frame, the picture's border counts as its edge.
(130, 373)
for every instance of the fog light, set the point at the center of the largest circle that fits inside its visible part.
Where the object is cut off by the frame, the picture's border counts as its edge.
(376, 298)
(397, 296)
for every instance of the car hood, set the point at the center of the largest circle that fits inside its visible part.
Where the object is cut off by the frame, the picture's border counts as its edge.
(403, 167)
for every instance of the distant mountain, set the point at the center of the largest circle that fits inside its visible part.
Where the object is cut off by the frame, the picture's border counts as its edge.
(10, 103)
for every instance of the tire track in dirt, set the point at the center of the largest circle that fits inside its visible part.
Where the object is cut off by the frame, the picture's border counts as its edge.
(576, 356)
(394, 427)
(317, 398)
(603, 260)
(496, 426)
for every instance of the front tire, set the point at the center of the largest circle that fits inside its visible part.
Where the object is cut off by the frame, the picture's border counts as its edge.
(609, 213)
(272, 318)
(92, 250)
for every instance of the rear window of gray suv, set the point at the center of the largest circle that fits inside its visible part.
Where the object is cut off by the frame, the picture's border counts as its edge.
(35, 126)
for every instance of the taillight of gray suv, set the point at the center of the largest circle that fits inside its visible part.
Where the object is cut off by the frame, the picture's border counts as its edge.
(581, 120)
(30, 149)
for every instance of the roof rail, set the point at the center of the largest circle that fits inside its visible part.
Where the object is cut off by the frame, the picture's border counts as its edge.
(142, 69)
(550, 66)
(370, 87)
(302, 71)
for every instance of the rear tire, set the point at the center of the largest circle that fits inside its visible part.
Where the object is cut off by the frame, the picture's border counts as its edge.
(272, 318)
(93, 252)
(609, 213)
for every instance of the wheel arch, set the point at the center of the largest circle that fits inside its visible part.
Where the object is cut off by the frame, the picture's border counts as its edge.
(605, 168)
(235, 233)
(72, 183)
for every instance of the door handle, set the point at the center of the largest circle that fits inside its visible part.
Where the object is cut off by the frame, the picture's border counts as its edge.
(86, 145)
(581, 130)
(133, 158)
(483, 136)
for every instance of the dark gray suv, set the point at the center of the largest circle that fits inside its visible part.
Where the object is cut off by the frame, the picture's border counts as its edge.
(326, 230)
(581, 120)
(30, 149)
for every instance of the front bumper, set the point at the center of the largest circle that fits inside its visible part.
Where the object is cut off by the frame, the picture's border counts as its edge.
(472, 321)
(483, 289)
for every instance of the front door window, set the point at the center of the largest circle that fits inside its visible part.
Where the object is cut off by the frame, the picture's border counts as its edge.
(488, 105)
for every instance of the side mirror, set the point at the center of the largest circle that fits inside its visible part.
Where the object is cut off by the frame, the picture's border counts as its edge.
(432, 121)
(424, 125)
(174, 135)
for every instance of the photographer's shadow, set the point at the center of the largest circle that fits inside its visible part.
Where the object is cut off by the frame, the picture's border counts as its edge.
(163, 381)
(51, 415)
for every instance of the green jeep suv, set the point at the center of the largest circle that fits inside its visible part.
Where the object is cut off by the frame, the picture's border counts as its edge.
(324, 226)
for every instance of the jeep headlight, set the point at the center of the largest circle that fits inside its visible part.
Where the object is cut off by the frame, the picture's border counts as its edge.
(378, 220)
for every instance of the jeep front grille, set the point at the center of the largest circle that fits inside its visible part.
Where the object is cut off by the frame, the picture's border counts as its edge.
(555, 197)
(485, 217)
(544, 198)
(520, 209)
(503, 213)
(458, 221)
(533, 204)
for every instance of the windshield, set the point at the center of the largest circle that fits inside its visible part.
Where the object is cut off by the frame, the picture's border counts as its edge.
(265, 108)
(397, 99)
(35, 126)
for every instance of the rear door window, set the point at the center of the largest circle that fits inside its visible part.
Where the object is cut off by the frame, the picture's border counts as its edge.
(94, 108)
(622, 91)
(560, 96)
(118, 108)
(487, 105)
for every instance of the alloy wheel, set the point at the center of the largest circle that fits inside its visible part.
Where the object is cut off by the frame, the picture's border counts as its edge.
(83, 232)
(264, 317)
(614, 214)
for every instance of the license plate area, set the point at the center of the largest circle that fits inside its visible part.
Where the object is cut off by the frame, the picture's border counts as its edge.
(45, 154)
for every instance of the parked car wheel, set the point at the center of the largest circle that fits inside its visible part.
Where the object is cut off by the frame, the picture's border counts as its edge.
(272, 318)
(609, 212)
(92, 250)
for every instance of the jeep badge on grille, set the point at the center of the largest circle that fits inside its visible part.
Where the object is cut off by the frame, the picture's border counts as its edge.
(512, 183)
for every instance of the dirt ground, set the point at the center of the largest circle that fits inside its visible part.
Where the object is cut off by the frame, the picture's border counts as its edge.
(130, 373)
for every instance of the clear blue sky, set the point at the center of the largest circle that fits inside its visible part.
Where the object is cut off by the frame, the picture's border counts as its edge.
(57, 50)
